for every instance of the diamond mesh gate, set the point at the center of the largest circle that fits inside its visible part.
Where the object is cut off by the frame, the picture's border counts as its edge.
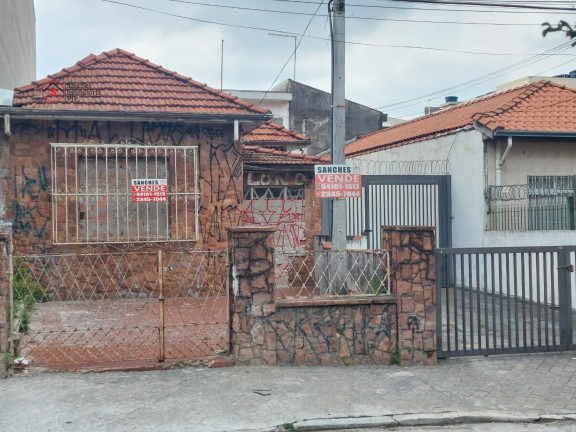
(82, 309)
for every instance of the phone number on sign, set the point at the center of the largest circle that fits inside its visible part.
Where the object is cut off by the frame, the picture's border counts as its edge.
(339, 186)
(338, 194)
(149, 199)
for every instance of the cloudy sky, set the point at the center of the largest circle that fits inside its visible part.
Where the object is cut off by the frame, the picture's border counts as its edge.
(401, 56)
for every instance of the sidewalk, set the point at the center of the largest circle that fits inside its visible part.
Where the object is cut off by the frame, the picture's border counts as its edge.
(499, 388)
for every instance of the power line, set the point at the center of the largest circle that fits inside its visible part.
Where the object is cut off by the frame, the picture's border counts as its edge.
(354, 17)
(317, 37)
(492, 4)
(293, 54)
(430, 9)
(478, 80)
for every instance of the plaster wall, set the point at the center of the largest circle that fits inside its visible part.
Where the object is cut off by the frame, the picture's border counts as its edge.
(465, 154)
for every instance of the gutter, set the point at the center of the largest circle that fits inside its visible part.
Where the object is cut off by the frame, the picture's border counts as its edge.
(522, 133)
(127, 116)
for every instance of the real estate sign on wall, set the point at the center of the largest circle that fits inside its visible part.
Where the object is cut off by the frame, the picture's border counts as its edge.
(149, 190)
(337, 181)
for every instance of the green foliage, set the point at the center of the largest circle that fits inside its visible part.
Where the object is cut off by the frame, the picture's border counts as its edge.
(562, 26)
(27, 292)
(288, 427)
(9, 360)
(377, 286)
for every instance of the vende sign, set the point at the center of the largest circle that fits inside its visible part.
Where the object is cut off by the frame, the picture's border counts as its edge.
(149, 190)
(337, 181)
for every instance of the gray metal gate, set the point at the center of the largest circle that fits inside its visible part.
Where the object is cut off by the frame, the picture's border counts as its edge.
(422, 200)
(505, 300)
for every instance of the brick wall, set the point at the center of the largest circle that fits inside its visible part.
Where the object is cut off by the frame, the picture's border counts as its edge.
(396, 328)
(298, 219)
(25, 186)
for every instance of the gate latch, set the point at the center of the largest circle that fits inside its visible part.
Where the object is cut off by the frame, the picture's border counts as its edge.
(569, 268)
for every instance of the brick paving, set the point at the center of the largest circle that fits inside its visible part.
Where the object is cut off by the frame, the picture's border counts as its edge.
(78, 334)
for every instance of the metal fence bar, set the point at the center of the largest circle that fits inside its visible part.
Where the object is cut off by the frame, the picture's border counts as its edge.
(505, 300)
(313, 273)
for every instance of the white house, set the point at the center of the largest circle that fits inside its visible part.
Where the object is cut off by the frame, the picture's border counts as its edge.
(512, 160)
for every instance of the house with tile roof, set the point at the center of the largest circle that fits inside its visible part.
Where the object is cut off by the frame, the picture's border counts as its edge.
(512, 161)
(117, 150)
(279, 191)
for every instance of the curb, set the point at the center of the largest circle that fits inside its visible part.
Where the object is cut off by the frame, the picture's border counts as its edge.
(423, 419)
(132, 366)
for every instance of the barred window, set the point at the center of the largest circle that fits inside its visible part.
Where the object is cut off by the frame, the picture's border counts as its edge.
(118, 193)
(544, 203)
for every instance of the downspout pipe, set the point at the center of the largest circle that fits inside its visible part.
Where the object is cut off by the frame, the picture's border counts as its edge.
(236, 131)
(498, 179)
(7, 130)
(508, 148)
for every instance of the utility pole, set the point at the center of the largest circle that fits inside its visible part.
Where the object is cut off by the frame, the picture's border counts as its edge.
(338, 139)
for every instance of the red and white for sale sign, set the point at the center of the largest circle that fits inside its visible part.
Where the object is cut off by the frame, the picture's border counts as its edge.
(149, 190)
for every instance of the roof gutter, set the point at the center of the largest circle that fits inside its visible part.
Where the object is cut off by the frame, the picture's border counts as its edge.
(535, 134)
(128, 116)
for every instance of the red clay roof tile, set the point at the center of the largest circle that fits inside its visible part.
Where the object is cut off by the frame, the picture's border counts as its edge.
(271, 133)
(541, 106)
(265, 156)
(127, 82)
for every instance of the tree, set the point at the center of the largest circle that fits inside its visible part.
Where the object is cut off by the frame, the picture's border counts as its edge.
(562, 26)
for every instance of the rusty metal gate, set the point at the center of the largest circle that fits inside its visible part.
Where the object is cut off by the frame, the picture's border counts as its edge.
(88, 309)
(505, 300)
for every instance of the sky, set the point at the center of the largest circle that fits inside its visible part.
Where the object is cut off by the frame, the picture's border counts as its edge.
(400, 56)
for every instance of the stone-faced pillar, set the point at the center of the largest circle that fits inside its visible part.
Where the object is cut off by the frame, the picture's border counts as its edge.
(252, 304)
(413, 280)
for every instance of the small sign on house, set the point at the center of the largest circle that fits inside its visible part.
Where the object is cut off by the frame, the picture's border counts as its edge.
(149, 190)
(337, 181)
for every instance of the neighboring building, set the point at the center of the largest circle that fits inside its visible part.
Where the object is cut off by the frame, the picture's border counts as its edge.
(17, 45)
(279, 191)
(307, 110)
(512, 161)
(67, 160)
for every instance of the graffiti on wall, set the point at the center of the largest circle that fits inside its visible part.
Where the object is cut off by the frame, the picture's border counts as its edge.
(220, 171)
(286, 215)
(30, 219)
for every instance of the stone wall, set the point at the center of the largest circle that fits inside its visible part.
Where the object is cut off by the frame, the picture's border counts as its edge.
(345, 331)
(252, 306)
(398, 328)
(413, 282)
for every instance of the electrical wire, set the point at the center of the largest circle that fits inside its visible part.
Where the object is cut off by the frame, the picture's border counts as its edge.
(318, 37)
(491, 4)
(482, 78)
(292, 55)
(355, 17)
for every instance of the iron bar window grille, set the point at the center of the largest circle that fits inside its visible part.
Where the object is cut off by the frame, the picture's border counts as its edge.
(544, 203)
(98, 196)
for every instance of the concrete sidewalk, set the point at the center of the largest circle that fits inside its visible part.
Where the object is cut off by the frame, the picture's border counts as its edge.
(499, 388)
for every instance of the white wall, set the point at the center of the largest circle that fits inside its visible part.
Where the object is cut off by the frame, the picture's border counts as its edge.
(17, 43)
(465, 153)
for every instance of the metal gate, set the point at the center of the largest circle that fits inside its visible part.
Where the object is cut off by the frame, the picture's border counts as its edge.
(86, 309)
(422, 200)
(505, 300)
